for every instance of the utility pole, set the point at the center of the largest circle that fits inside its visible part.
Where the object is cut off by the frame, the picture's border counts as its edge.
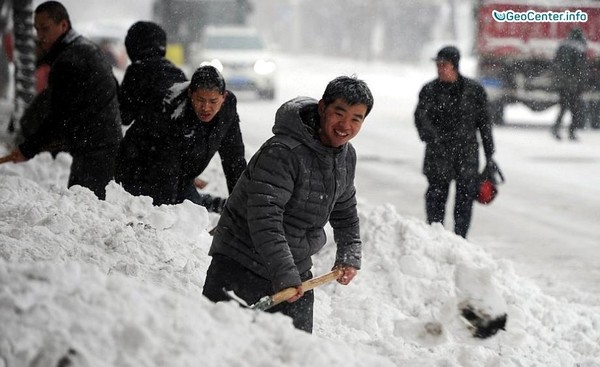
(24, 59)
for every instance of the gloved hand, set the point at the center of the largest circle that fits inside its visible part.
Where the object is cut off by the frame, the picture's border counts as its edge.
(216, 206)
(494, 171)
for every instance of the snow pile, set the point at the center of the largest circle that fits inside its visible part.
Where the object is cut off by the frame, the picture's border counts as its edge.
(118, 283)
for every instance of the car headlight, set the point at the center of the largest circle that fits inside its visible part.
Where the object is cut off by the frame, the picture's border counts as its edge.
(214, 62)
(264, 67)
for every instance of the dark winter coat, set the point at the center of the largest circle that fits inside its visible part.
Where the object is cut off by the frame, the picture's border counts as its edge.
(145, 85)
(570, 66)
(161, 157)
(35, 113)
(83, 114)
(273, 221)
(447, 118)
(149, 76)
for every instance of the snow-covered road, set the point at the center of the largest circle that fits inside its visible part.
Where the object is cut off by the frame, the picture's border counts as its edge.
(547, 214)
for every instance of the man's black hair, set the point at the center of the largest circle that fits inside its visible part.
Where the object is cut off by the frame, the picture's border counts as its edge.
(55, 10)
(350, 89)
(207, 77)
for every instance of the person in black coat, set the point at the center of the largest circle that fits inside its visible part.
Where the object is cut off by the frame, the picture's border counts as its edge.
(149, 76)
(301, 179)
(83, 113)
(450, 111)
(571, 72)
(161, 156)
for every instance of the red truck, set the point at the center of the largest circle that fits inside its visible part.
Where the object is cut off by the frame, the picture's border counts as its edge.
(516, 41)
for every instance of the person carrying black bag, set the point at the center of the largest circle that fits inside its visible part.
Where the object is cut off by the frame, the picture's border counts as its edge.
(450, 111)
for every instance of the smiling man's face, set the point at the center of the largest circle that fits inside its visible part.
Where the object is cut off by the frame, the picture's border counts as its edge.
(340, 122)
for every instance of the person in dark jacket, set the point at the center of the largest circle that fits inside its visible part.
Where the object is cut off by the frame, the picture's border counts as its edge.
(162, 155)
(300, 179)
(450, 111)
(149, 76)
(571, 72)
(83, 115)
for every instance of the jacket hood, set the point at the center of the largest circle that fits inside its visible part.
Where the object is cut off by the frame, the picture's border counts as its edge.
(145, 39)
(176, 99)
(299, 119)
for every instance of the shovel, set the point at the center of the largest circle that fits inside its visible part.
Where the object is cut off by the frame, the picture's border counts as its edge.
(269, 301)
(7, 158)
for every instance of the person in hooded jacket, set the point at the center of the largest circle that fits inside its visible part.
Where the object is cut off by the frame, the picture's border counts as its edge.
(571, 72)
(83, 113)
(450, 111)
(300, 179)
(149, 76)
(163, 153)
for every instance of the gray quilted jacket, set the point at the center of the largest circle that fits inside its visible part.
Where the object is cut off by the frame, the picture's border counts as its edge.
(274, 218)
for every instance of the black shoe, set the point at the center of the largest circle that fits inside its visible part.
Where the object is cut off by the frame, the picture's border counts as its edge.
(555, 133)
(572, 137)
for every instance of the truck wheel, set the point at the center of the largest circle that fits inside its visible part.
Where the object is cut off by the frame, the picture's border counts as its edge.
(496, 112)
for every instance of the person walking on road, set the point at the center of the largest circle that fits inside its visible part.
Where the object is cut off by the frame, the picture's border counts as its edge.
(300, 179)
(450, 111)
(571, 73)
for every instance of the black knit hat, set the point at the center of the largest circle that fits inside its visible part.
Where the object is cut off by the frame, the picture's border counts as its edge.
(450, 54)
(577, 34)
(145, 39)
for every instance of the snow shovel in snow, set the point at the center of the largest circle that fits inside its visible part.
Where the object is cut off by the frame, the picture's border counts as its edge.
(269, 301)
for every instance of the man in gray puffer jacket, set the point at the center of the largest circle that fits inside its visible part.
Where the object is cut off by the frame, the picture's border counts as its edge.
(300, 179)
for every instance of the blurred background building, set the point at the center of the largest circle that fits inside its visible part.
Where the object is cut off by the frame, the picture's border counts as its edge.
(374, 29)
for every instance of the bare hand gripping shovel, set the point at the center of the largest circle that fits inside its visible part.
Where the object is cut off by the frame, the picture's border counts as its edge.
(269, 301)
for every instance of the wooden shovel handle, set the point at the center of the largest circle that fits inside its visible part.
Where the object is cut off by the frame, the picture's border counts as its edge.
(6, 158)
(288, 293)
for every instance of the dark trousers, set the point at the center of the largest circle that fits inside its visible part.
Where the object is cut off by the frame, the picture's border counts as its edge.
(573, 102)
(94, 170)
(437, 195)
(225, 274)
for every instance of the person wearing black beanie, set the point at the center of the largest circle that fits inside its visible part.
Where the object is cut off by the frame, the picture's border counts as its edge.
(449, 54)
(149, 75)
(571, 76)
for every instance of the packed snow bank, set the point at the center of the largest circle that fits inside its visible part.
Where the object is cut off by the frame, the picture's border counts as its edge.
(118, 283)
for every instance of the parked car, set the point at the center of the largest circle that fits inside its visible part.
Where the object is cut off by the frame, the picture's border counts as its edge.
(240, 53)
